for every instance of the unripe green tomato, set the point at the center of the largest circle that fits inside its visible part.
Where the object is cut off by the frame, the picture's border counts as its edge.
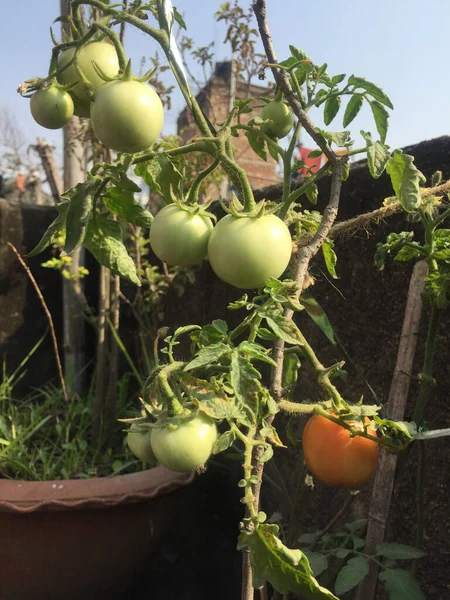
(127, 116)
(139, 442)
(280, 119)
(187, 447)
(51, 108)
(246, 251)
(104, 55)
(179, 237)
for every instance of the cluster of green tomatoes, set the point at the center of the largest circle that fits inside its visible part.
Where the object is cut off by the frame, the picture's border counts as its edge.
(127, 116)
(126, 113)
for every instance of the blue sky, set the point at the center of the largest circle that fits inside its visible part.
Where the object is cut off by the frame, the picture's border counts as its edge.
(401, 45)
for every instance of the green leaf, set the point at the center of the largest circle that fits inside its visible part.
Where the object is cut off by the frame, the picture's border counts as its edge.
(160, 174)
(351, 575)
(330, 257)
(441, 255)
(409, 252)
(352, 109)
(267, 454)
(207, 356)
(224, 441)
(220, 325)
(394, 241)
(209, 398)
(312, 193)
(285, 569)
(297, 53)
(123, 204)
(285, 329)
(400, 585)
(337, 79)
(378, 155)
(244, 379)
(291, 365)
(321, 96)
(78, 215)
(125, 183)
(405, 178)
(104, 239)
(317, 561)
(331, 109)
(257, 144)
(179, 18)
(265, 334)
(374, 91)
(54, 230)
(399, 551)
(256, 351)
(318, 315)
(381, 116)
(315, 153)
(358, 526)
(340, 138)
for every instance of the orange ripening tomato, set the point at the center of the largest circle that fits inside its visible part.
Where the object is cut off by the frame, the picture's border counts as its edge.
(334, 457)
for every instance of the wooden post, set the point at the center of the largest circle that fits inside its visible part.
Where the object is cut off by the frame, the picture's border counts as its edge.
(73, 325)
(398, 395)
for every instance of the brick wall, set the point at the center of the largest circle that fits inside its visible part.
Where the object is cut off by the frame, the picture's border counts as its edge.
(214, 100)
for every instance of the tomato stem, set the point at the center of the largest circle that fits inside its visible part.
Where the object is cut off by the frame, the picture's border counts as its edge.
(193, 194)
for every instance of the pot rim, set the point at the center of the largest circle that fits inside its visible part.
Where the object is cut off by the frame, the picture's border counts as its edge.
(31, 496)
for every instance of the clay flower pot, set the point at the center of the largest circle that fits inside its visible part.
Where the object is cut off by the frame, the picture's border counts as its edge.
(82, 539)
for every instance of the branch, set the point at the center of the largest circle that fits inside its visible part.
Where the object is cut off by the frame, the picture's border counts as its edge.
(49, 318)
(374, 217)
(259, 8)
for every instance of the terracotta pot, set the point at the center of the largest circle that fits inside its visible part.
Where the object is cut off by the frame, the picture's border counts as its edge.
(82, 540)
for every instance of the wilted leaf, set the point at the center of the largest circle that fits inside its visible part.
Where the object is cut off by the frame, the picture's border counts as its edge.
(285, 569)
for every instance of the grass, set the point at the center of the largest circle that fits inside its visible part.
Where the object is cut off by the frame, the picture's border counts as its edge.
(42, 438)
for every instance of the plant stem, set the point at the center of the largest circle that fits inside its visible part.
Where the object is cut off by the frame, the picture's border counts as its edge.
(193, 194)
(292, 197)
(120, 51)
(49, 318)
(237, 175)
(341, 512)
(259, 8)
(201, 146)
(420, 485)
(427, 381)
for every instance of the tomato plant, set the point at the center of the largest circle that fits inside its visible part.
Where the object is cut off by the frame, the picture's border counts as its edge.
(139, 442)
(127, 116)
(187, 446)
(179, 236)
(218, 376)
(103, 54)
(246, 251)
(335, 457)
(280, 119)
(51, 107)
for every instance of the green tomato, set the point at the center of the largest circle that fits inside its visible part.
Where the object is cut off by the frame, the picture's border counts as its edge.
(104, 55)
(127, 116)
(187, 447)
(139, 442)
(246, 251)
(51, 108)
(179, 237)
(280, 119)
